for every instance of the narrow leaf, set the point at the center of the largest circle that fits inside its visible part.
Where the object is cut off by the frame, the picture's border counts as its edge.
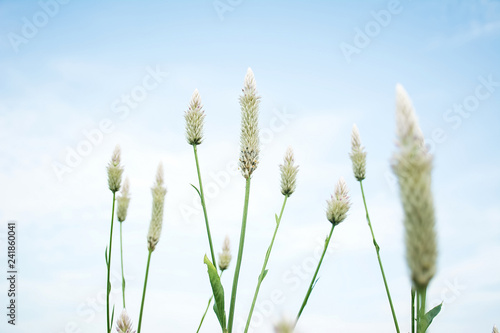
(106, 255)
(276, 217)
(218, 292)
(196, 190)
(429, 316)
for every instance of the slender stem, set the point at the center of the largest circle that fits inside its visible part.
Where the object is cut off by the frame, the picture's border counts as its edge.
(418, 310)
(202, 196)
(144, 292)
(240, 256)
(262, 272)
(108, 285)
(208, 306)
(377, 248)
(421, 310)
(311, 286)
(412, 310)
(123, 274)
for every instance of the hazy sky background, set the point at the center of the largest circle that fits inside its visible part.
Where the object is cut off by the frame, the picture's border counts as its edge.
(68, 71)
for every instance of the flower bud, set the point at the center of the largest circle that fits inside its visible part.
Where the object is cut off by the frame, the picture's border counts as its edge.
(225, 256)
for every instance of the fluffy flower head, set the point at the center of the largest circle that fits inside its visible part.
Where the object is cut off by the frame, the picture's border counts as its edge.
(249, 139)
(115, 170)
(358, 155)
(123, 201)
(339, 204)
(194, 117)
(225, 256)
(412, 165)
(158, 190)
(288, 173)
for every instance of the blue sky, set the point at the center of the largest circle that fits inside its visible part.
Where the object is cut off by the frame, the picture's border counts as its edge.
(123, 73)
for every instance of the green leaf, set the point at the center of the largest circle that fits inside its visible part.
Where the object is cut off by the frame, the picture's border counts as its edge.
(106, 255)
(218, 292)
(426, 320)
(276, 217)
(263, 275)
(196, 190)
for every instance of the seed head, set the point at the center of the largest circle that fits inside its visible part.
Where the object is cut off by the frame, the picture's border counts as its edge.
(358, 155)
(123, 201)
(412, 165)
(225, 256)
(115, 171)
(159, 192)
(195, 117)
(339, 204)
(249, 140)
(124, 323)
(288, 173)
(495, 329)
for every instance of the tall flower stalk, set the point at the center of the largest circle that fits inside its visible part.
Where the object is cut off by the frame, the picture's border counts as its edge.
(288, 184)
(412, 165)
(158, 190)
(336, 212)
(121, 214)
(358, 158)
(115, 171)
(249, 159)
(195, 117)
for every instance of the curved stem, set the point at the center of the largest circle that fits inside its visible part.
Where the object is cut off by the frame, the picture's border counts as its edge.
(377, 248)
(202, 196)
(108, 263)
(144, 292)
(240, 256)
(208, 306)
(123, 274)
(262, 272)
(311, 286)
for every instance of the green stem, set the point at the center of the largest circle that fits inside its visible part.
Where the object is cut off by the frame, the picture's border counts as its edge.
(208, 306)
(311, 286)
(108, 288)
(262, 272)
(240, 256)
(418, 309)
(202, 196)
(421, 310)
(377, 248)
(412, 310)
(144, 292)
(123, 274)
